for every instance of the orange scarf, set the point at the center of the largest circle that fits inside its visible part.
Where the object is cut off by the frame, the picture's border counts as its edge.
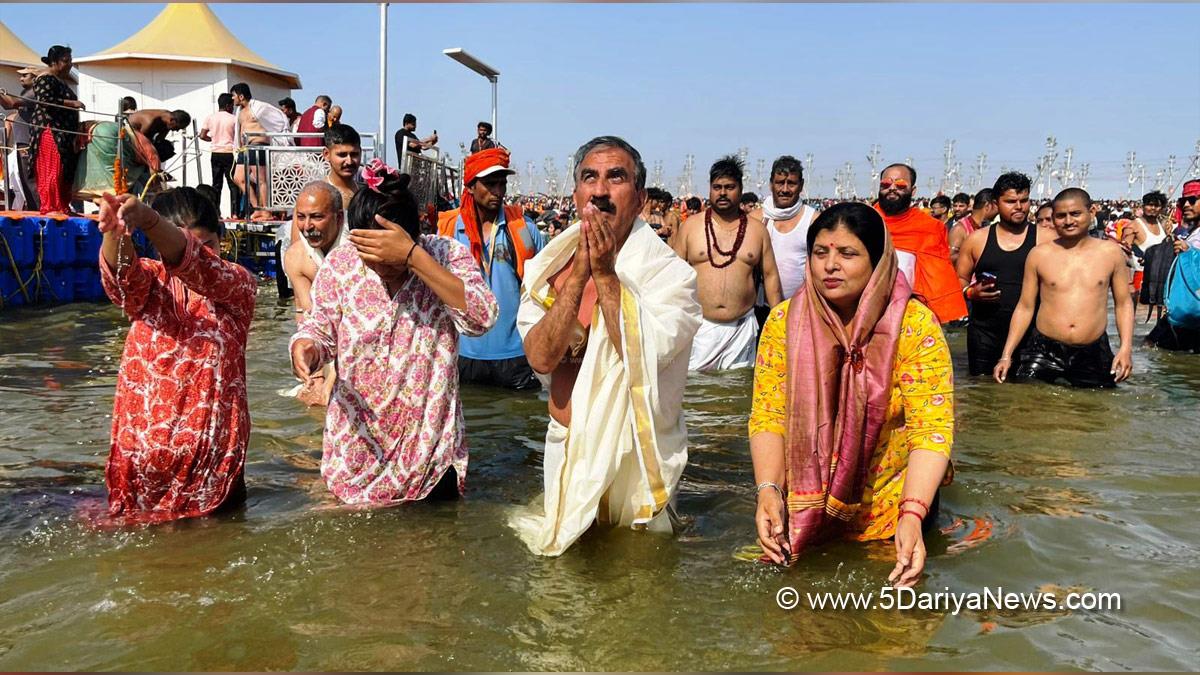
(935, 280)
(471, 168)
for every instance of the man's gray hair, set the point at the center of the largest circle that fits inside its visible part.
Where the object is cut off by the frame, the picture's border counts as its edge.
(639, 175)
(335, 195)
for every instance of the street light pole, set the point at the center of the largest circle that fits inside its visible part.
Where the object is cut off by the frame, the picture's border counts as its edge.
(381, 139)
(492, 75)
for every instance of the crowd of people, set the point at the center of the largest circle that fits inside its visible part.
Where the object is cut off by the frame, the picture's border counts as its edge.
(608, 299)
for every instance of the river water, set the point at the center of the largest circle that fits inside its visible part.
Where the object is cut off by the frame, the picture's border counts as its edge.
(1056, 490)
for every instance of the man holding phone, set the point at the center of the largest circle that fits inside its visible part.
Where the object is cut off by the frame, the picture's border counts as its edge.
(995, 257)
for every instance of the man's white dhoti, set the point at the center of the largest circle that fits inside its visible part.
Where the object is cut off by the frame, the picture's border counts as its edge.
(624, 452)
(725, 346)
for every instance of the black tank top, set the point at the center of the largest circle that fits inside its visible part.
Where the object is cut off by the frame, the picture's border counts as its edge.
(1009, 268)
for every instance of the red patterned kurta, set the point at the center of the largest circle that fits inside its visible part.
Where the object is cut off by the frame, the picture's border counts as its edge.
(180, 419)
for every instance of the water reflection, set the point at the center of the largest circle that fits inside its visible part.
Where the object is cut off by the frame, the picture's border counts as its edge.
(1055, 489)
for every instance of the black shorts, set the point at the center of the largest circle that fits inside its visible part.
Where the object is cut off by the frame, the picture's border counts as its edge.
(1174, 338)
(252, 157)
(985, 342)
(1087, 365)
(513, 373)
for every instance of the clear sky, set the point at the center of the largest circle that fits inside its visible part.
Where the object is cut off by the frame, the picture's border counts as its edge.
(708, 79)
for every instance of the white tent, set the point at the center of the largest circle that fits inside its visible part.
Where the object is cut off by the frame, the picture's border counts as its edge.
(183, 59)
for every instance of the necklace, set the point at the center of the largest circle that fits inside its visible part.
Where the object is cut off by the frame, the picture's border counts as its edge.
(710, 238)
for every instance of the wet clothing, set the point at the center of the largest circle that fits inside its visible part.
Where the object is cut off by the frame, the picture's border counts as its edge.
(514, 373)
(919, 412)
(180, 422)
(394, 425)
(498, 265)
(988, 328)
(1087, 365)
(1174, 338)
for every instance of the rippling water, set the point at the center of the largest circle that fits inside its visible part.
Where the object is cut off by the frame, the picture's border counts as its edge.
(1056, 489)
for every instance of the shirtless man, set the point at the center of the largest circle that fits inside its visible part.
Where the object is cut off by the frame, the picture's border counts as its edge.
(726, 247)
(156, 124)
(1071, 276)
(983, 209)
(343, 151)
(255, 117)
(787, 219)
(320, 221)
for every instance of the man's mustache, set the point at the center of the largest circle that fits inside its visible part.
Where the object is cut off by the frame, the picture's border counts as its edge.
(604, 205)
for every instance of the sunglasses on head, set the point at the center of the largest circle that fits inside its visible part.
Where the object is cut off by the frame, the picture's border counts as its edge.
(899, 183)
(1190, 201)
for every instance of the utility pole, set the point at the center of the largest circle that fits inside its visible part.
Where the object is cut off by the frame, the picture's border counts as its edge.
(1065, 176)
(1131, 171)
(685, 179)
(980, 167)
(1084, 170)
(1045, 166)
(947, 165)
(551, 176)
(529, 172)
(873, 160)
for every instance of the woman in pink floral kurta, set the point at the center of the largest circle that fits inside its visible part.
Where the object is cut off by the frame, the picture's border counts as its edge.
(394, 423)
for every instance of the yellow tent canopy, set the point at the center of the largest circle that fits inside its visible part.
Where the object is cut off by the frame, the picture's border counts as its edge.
(190, 32)
(15, 53)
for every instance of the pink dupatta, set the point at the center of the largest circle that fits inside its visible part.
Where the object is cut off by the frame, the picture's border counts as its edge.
(839, 383)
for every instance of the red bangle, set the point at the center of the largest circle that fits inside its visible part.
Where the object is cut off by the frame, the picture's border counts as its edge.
(906, 512)
(914, 499)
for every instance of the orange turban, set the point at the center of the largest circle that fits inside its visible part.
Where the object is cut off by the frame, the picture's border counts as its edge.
(478, 165)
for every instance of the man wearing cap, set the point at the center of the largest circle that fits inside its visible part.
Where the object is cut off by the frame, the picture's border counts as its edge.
(1167, 335)
(501, 239)
(17, 127)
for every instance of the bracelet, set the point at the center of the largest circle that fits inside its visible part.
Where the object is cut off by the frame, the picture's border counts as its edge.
(1004, 359)
(410, 252)
(914, 499)
(907, 512)
(758, 488)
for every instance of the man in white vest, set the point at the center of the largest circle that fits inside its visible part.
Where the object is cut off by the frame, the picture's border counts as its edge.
(787, 220)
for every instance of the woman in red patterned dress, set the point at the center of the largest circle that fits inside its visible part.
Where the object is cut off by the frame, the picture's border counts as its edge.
(180, 419)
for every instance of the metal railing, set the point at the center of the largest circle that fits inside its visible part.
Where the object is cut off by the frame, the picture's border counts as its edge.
(431, 177)
(288, 168)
